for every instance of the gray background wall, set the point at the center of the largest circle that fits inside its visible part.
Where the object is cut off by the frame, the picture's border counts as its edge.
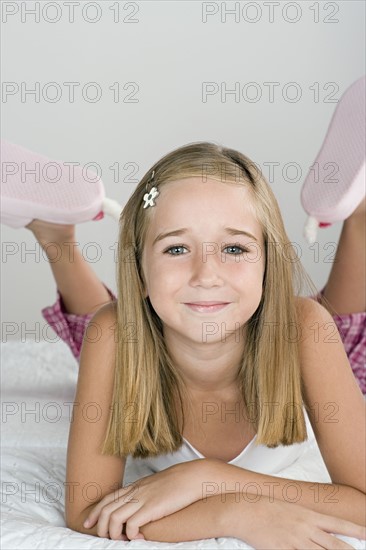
(164, 55)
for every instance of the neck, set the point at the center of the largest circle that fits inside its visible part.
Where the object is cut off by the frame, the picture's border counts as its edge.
(207, 369)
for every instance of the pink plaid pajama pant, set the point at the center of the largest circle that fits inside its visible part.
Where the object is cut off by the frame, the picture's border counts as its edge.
(352, 329)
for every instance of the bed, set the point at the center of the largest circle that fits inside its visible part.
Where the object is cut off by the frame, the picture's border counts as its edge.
(38, 385)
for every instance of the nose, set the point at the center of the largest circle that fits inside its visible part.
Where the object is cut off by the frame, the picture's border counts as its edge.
(206, 270)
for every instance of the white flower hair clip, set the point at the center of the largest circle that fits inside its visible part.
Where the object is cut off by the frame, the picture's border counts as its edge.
(152, 194)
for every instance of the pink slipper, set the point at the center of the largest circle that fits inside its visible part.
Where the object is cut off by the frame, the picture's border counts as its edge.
(335, 185)
(33, 186)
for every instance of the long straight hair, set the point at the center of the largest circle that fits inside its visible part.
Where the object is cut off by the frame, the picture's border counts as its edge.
(144, 420)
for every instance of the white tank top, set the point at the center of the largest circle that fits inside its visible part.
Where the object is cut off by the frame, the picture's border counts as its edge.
(301, 461)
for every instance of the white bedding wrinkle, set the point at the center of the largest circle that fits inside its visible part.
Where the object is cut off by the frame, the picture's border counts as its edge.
(38, 382)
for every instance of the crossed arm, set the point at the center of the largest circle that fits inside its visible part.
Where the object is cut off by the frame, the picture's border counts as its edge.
(327, 378)
(235, 514)
(232, 514)
(180, 513)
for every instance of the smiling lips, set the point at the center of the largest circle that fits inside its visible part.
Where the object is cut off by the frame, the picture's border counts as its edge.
(206, 307)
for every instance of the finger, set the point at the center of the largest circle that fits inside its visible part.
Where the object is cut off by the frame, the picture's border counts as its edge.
(114, 497)
(138, 536)
(132, 529)
(105, 524)
(94, 514)
(311, 545)
(343, 527)
(121, 537)
(331, 542)
(137, 519)
(114, 521)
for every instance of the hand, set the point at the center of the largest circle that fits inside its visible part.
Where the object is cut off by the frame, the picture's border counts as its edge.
(282, 525)
(148, 499)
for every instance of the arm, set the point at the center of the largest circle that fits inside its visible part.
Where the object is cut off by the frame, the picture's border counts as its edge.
(329, 385)
(173, 528)
(231, 515)
(340, 428)
(87, 468)
(291, 526)
(332, 499)
(214, 517)
(200, 520)
(89, 474)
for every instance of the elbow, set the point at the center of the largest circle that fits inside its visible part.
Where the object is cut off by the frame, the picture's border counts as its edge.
(352, 488)
(358, 486)
(361, 490)
(74, 520)
(71, 525)
(76, 524)
(70, 521)
(79, 528)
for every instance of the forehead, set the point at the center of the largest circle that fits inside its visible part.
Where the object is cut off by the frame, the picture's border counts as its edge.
(199, 200)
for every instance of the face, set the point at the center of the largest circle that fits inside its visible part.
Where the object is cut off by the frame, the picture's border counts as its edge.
(205, 282)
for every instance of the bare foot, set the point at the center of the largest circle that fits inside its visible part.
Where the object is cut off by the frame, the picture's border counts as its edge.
(47, 232)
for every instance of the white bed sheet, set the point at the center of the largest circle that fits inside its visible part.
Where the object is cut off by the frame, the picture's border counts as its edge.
(38, 381)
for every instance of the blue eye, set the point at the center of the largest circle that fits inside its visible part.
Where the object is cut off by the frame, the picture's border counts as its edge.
(176, 247)
(241, 249)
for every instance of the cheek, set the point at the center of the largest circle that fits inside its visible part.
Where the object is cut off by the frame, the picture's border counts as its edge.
(161, 292)
(162, 279)
(247, 279)
(250, 266)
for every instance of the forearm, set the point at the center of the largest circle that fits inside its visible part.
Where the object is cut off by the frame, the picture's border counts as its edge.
(326, 498)
(204, 519)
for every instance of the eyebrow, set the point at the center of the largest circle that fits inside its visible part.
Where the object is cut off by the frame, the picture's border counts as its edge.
(177, 232)
(232, 231)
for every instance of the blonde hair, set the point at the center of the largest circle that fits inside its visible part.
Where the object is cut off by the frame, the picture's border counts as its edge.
(143, 420)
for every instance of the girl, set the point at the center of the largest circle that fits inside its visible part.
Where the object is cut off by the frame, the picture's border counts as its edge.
(208, 367)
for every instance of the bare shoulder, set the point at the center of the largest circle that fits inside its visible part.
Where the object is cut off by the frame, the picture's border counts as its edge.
(101, 328)
(318, 335)
(307, 307)
(334, 400)
(86, 465)
(311, 317)
(108, 312)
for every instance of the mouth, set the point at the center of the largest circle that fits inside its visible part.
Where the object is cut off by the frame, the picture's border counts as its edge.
(206, 307)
